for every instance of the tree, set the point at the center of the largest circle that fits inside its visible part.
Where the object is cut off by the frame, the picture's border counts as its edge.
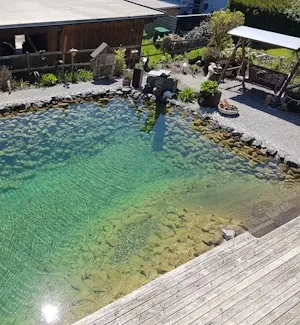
(220, 24)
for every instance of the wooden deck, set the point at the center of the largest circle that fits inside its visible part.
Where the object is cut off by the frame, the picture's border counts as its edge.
(245, 281)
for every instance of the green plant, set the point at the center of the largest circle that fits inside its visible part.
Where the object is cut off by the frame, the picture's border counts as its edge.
(165, 59)
(196, 55)
(5, 76)
(85, 75)
(187, 94)
(120, 62)
(212, 54)
(19, 84)
(209, 88)
(220, 24)
(127, 76)
(48, 79)
(178, 57)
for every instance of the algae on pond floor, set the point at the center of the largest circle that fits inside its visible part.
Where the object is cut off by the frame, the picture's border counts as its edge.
(92, 208)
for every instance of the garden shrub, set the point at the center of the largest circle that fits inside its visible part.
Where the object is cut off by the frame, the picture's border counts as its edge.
(187, 94)
(120, 62)
(84, 75)
(209, 88)
(212, 54)
(220, 24)
(5, 75)
(196, 55)
(200, 35)
(49, 79)
(282, 16)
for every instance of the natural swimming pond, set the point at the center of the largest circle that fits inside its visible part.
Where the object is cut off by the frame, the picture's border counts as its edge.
(97, 200)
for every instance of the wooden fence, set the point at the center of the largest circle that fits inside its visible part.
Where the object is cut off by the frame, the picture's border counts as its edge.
(48, 61)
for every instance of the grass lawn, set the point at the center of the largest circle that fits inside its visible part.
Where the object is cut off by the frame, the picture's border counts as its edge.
(148, 49)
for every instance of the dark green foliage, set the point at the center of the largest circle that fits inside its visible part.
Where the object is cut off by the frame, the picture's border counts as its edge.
(196, 55)
(281, 16)
(187, 94)
(209, 88)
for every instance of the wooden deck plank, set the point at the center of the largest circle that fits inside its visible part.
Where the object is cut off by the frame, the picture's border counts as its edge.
(286, 295)
(280, 311)
(265, 280)
(238, 260)
(184, 306)
(259, 308)
(215, 254)
(242, 299)
(223, 271)
(294, 321)
(287, 317)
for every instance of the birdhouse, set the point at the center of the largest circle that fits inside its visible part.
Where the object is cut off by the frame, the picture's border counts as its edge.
(102, 62)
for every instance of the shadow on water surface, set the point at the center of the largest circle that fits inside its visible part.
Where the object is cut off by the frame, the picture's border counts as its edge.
(160, 129)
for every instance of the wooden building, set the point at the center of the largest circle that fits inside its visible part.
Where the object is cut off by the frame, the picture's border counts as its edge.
(58, 24)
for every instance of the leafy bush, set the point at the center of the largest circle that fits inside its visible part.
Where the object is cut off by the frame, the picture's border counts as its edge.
(220, 24)
(165, 59)
(200, 35)
(280, 16)
(5, 76)
(187, 94)
(19, 84)
(48, 79)
(178, 57)
(120, 62)
(209, 88)
(196, 55)
(212, 54)
(84, 75)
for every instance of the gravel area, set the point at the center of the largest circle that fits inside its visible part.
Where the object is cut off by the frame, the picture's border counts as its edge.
(272, 127)
(45, 94)
(275, 129)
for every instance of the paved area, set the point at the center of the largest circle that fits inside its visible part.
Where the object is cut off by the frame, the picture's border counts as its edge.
(18, 13)
(244, 281)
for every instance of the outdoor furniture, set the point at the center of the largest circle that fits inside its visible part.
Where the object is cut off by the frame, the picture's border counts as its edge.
(268, 78)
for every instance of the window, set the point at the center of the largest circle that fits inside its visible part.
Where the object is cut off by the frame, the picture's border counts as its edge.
(205, 7)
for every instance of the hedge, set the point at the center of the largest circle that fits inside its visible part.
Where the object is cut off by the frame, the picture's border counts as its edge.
(270, 15)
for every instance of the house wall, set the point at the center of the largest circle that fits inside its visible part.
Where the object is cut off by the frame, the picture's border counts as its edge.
(81, 36)
(209, 6)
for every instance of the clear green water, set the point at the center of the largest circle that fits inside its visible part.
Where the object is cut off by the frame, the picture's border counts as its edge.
(64, 174)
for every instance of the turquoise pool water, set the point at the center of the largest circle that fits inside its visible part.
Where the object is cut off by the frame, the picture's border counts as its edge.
(84, 190)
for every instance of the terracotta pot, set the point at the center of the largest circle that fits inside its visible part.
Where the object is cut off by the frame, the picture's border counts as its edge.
(209, 101)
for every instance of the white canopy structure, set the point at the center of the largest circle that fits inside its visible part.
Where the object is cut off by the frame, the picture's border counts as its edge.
(264, 36)
(245, 33)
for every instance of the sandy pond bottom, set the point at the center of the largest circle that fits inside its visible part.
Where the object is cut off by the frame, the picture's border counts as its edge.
(92, 206)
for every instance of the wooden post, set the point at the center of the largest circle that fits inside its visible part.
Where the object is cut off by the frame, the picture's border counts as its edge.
(243, 62)
(28, 65)
(64, 49)
(289, 78)
(228, 63)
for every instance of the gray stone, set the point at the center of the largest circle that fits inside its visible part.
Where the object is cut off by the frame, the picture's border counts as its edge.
(228, 234)
(247, 138)
(126, 90)
(271, 151)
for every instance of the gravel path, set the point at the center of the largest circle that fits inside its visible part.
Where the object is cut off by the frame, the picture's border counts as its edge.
(44, 94)
(274, 128)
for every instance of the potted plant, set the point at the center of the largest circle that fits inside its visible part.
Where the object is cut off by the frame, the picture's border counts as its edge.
(127, 79)
(209, 95)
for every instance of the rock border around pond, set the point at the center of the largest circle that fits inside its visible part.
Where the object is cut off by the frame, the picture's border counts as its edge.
(242, 144)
